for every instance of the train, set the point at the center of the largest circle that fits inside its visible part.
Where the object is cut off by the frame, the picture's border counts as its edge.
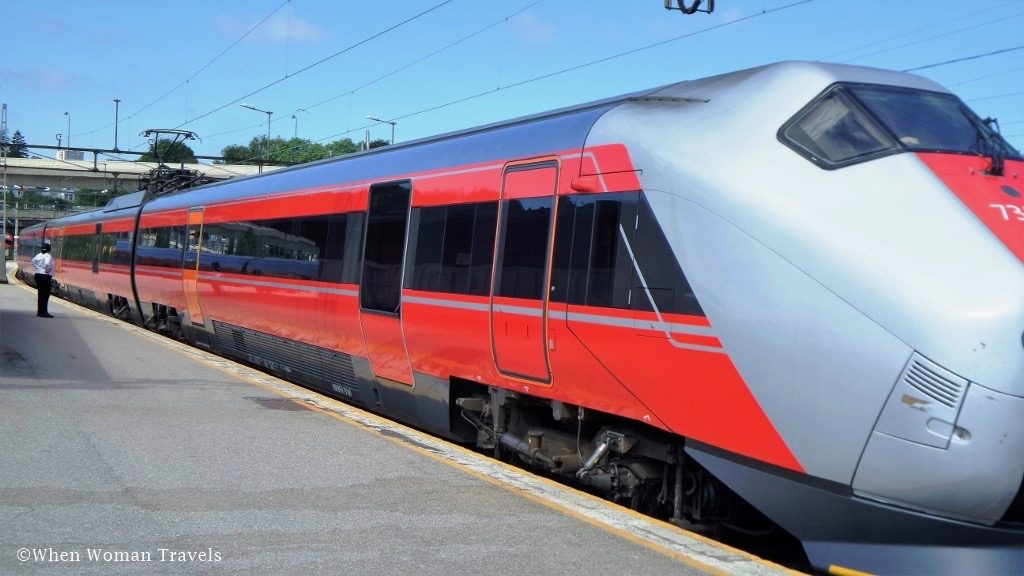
(788, 297)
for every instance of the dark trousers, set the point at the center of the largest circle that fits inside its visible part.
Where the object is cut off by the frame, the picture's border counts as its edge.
(42, 293)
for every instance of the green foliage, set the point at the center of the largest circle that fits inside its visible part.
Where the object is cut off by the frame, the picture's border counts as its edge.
(169, 151)
(17, 147)
(89, 197)
(289, 152)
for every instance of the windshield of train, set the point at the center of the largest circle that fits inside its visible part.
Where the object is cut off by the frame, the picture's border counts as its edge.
(856, 122)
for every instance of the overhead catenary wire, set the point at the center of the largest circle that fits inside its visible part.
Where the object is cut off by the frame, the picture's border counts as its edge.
(552, 74)
(956, 18)
(500, 87)
(999, 20)
(965, 59)
(419, 60)
(318, 62)
(286, 76)
(197, 72)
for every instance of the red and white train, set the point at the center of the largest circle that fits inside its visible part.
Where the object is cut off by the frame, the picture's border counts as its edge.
(794, 291)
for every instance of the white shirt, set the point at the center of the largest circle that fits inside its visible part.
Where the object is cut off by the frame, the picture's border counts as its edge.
(43, 263)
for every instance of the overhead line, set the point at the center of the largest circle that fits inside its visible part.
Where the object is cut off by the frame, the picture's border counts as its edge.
(612, 57)
(965, 59)
(197, 72)
(318, 62)
(584, 65)
(215, 58)
(999, 20)
(428, 56)
(898, 36)
(401, 68)
(996, 96)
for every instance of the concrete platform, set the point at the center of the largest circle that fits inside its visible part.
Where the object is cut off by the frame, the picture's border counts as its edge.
(123, 452)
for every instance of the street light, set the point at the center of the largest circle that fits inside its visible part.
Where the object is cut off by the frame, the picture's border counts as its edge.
(268, 113)
(392, 122)
(68, 141)
(296, 118)
(3, 188)
(117, 103)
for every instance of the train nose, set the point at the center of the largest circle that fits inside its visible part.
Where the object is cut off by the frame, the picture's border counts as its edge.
(997, 199)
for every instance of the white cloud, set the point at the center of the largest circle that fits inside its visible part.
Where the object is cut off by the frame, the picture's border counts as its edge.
(289, 27)
(284, 26)
(531, 30)
(46, 79)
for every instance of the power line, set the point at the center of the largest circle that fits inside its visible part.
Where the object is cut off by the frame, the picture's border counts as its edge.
(215, 58)
(426, 57)
(999, 20)
(996, 96)
(580, 66)
(318, 62)
(988, 76)
(965, 59)
(903, 35)
(197, 72)
(397, 70)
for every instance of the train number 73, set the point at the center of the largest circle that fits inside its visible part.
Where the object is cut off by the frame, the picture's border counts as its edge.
(1010, 211)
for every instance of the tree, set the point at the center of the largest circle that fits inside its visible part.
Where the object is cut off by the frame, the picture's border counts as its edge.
(289, 152)
(18, 148)
(169, 151)
(236, 154)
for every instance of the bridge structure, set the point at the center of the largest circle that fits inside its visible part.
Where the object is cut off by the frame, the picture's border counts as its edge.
(113, 175)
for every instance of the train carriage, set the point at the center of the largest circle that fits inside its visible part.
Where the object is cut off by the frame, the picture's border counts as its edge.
(792, 292)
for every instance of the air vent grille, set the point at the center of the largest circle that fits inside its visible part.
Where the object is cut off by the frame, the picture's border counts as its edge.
(934, 381)
(318, 366)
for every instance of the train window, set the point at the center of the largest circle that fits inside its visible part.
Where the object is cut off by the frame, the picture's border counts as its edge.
(106, 243)
(484, 224)
(525, 242)
(457, 253)
(426, 272)
(930, 121)
(453, 249)
(611, 267)
(160, 246)
(280, 248)
(383, 250)
(595, 243)
(592, 265)
(564, 232)
(76, 247)
(833, 132)
(114, 248)
(664, 281)
(344, 242)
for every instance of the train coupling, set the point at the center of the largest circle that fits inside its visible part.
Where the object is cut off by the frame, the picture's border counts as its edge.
(608, 442)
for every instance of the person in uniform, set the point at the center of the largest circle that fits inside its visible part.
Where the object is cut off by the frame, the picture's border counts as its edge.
(42, 263)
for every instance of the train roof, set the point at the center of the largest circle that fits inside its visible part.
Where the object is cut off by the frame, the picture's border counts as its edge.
(538, 134)
(535, 135)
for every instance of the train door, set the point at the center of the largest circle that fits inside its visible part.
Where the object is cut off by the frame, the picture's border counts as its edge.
(190, 265)
(519, 290)
(380, 289)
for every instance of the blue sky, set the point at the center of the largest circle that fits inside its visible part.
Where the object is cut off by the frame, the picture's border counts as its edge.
(437, 66)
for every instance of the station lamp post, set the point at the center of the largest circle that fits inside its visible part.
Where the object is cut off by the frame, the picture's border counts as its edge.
(3, 188)
(68, 140)
(117, 103)
(268, 113)
(392, 122)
